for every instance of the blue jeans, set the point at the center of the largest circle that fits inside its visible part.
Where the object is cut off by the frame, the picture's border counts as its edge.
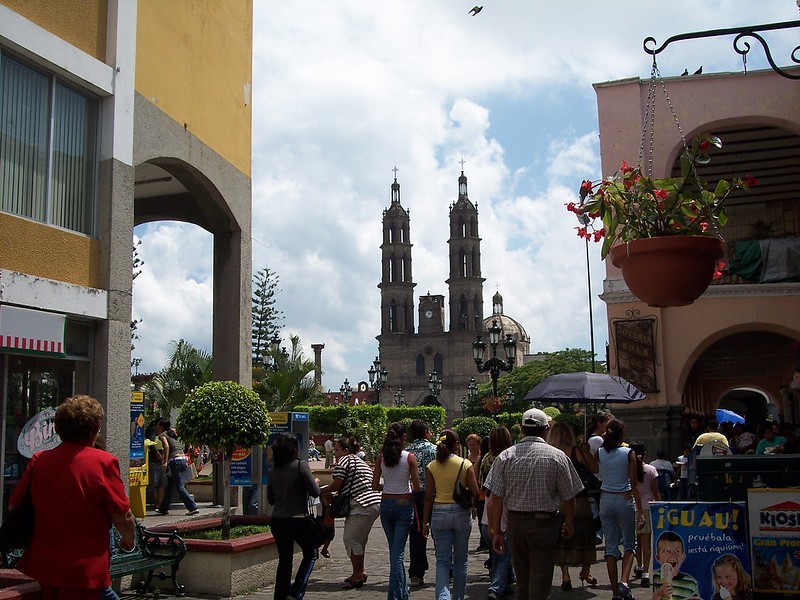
(418, 545)
(501, 565)
(450, 528)
(397, 517)
(288, 532)
(618, 514)
(176, 469)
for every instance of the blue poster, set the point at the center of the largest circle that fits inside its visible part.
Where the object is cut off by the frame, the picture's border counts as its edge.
(700, 551)
(242, 467)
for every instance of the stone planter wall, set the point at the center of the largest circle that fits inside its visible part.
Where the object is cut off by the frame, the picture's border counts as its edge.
(223, 568)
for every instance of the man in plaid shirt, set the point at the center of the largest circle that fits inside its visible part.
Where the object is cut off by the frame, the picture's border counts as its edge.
(425, 452)
(534, 481)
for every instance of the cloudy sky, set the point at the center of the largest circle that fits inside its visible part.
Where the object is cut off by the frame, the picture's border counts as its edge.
(344, 91)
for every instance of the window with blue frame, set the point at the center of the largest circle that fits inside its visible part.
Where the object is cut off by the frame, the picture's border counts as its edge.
(48, 148)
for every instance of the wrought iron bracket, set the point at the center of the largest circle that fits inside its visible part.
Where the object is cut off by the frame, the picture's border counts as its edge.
(740, 45)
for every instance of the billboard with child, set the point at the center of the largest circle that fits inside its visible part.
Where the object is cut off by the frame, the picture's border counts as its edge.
(700, 551)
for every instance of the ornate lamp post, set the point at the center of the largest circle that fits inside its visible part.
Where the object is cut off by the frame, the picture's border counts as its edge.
(494, 365)
(378, 375)
(472, 391)
(400, 397)
(346, 392)
(463, 405)
(435, 385)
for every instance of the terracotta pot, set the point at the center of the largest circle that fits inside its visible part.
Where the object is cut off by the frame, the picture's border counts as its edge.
(668, 271)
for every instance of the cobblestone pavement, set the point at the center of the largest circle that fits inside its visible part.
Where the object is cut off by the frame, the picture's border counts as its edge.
(329, 573)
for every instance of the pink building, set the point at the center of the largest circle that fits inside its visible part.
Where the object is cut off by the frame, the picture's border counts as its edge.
(738, 346)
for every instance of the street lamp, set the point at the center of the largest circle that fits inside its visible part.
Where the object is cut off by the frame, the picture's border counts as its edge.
(494, 365)
(463, 405)
(472, 390)
(378, 375)
(400, 397)
(346, 392)
(435, 385)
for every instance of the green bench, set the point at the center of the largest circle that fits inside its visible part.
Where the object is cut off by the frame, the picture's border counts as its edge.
(153, 553)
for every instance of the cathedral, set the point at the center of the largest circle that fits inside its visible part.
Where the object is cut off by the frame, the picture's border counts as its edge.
(411, 352)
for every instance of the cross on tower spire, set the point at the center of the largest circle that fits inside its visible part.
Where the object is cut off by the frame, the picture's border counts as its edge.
(461, 162)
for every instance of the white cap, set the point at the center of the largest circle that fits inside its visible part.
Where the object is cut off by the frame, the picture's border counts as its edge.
(534, 417)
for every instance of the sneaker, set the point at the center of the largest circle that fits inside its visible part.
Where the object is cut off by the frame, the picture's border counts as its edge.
(492, 596)
(624, 591)
(158, 511)
(195, 511)
(646, 580)
(637, 572)
(417, 582)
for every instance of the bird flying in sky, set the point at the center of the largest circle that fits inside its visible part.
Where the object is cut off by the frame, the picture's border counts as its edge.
(475, 10)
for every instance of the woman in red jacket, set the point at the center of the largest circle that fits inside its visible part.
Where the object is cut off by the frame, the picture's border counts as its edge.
(77, 493)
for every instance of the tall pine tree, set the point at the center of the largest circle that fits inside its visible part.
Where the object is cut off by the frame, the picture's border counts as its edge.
(266, 318)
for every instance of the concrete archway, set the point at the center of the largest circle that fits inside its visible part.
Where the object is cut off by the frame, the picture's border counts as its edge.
(177, 177)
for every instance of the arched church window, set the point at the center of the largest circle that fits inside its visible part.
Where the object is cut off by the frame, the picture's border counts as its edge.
(393, 317)
(462, 263)
(420, 365)
(438, 364)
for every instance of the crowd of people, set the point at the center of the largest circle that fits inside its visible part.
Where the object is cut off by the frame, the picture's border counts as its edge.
(548, 501)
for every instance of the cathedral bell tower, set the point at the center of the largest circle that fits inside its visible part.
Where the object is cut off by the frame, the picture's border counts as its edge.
(397, 287)
(465, 283)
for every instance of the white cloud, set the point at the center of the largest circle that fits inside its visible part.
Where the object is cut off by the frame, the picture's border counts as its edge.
(344, 91)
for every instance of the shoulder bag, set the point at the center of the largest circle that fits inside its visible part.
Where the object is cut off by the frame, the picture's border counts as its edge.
(16, 531)
(315, 523)
(591, 484)
(461, 493)
(340, 505)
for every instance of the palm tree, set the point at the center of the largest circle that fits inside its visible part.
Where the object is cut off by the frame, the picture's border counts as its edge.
(187, 367)
(288, 381)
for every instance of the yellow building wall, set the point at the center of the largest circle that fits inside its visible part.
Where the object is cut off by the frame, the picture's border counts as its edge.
(82, 23)
(194, 61)
(43, 251)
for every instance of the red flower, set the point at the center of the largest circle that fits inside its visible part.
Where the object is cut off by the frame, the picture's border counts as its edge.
(586, 186)
(662, 194)
(705, 146)
(598, 235)
(749, 181)
(719, 270)
(572, 207)
(703, 226)
(625, 168)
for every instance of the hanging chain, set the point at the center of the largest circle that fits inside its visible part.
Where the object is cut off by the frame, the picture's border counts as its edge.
(648, 124)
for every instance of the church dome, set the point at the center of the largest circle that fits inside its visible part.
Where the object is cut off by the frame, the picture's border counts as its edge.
(509, 325)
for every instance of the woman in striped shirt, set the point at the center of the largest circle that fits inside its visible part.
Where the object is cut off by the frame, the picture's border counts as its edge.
(352, 476)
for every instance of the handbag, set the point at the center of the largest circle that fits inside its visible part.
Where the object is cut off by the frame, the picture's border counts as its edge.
(340, 504)
(461, 494)
(591, 484)
(316, 526)
(16, 531)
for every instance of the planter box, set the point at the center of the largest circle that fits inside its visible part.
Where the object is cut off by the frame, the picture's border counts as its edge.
(14, 585)
(223, 568)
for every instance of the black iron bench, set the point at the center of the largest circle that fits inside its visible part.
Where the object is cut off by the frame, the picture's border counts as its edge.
(153, 553)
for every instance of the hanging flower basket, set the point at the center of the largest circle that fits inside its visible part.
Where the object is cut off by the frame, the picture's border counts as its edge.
(670, 270)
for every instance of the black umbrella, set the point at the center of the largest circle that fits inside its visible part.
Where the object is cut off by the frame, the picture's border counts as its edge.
(585, 388)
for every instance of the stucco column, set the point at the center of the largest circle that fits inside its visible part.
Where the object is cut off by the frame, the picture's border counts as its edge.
(232, 308)
(317, 348)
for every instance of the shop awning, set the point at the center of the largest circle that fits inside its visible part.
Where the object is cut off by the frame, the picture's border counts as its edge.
(31, 331)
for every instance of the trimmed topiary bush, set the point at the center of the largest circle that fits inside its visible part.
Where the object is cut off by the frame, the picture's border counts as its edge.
(224, 415)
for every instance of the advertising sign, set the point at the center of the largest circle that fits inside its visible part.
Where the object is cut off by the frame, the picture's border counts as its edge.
(38, 434)
(242, 467)
(774, 516)
(700, 549)
(137, 427)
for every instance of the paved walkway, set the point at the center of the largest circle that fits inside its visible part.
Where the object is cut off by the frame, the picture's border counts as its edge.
(330, 572)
